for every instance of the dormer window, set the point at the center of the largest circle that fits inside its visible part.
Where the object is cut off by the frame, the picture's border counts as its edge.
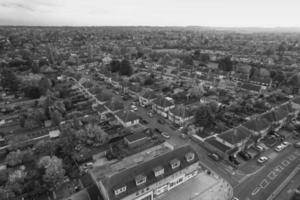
(120, 190)
(189, 157)
(175, 163)
(140, 179)
(158, 171)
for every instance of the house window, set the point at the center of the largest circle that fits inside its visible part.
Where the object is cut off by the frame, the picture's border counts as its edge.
(140, 179)
(120, 190)
(189, 157)
(175, 163)
(158, 171)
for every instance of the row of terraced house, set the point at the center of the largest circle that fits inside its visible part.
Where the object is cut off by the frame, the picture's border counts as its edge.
(253, 131)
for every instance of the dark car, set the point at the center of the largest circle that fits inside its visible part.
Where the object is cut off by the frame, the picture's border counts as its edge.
(246, 156)
(143, 121)
(161, 121)
(233, 160)
(214, 156)
(157, 130)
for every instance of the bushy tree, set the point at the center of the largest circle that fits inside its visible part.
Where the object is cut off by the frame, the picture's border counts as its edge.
(9, 80)
(125, 68)
(54, 171)
(226, 64)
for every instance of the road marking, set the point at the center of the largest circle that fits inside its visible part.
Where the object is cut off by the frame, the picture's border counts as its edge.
(272, 175)
(297, 153)
(255, 191)
(278, 168)
(264, 183)
(285, 163)
(292, 157)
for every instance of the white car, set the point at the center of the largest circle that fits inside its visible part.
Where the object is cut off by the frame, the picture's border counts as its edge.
(279, 148)
(133, 107)
(165, 135)
(262, 159)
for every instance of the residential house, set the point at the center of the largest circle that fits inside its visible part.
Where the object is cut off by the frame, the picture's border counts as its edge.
(147, 98)
(237, 137)
(180, 114)
(249, 87)
(127, 118)
(148, 177)
(162, 106)
(136, 139)
(259, 127)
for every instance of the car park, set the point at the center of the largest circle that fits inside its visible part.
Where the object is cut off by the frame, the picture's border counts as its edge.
(214, 156)
(262, 159)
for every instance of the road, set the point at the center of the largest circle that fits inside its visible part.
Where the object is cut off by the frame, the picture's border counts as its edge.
(261, 184)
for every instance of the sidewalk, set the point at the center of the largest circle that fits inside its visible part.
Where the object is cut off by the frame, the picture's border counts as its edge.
(201, 187)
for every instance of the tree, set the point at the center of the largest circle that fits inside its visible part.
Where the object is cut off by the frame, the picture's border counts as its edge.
(54, 172)
(203, 116)
(3, 177)
(9, 80)
(32, 92)
(115, 66)
(226, 64)
(91, 133)
(44, 85)
(56, 117)
(45, 148)
(125, 68)
(204, 57)
(14, 158)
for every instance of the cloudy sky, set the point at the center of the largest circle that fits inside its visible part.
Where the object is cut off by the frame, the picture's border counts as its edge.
(222, 13)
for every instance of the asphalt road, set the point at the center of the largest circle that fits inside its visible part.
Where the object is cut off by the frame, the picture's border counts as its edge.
(261, 184)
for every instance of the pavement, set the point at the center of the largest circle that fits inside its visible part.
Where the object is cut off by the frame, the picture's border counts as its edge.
(289, 190)
(262, 183)
(201, 187)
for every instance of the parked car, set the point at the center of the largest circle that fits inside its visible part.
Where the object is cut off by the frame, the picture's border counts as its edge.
(297, 145)
(157, 130)
(214, 156)
(279, 148)
(143, 121)
(246, 156)
(262, 159)
(258, 148)
(134, 108)
(161, 121)
(165, 135)
(150, 114)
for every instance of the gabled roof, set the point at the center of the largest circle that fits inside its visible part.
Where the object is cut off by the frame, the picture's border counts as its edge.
(235, 135)
(149, 95)
(258, 124)
(127, 116)
(249, 86)
(163, 102)
(126, 177)
(297, 100)
(136, 137)
(182, 111)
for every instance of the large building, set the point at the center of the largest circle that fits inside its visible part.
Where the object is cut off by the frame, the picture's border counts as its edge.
(147, 176)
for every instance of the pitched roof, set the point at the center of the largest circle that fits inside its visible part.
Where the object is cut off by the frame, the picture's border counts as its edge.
(149, 95)
(258, 124)
(127, 116)
(222, 147)
(127, 176)
(136, 136)
(249, 86)
(297, 100)
(163, 102)
(182, 111)
(235, 135)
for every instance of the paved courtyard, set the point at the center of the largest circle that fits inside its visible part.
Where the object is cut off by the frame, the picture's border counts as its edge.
(202, 187)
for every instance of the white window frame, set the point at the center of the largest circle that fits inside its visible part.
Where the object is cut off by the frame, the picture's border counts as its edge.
(141, 181)
(159, 172)
(120, 190)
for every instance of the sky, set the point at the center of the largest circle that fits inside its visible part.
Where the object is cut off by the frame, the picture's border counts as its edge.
(214, 13)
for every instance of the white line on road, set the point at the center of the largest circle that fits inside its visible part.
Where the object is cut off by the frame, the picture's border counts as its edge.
(285, 163)
(255, 191)
(264, 183)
